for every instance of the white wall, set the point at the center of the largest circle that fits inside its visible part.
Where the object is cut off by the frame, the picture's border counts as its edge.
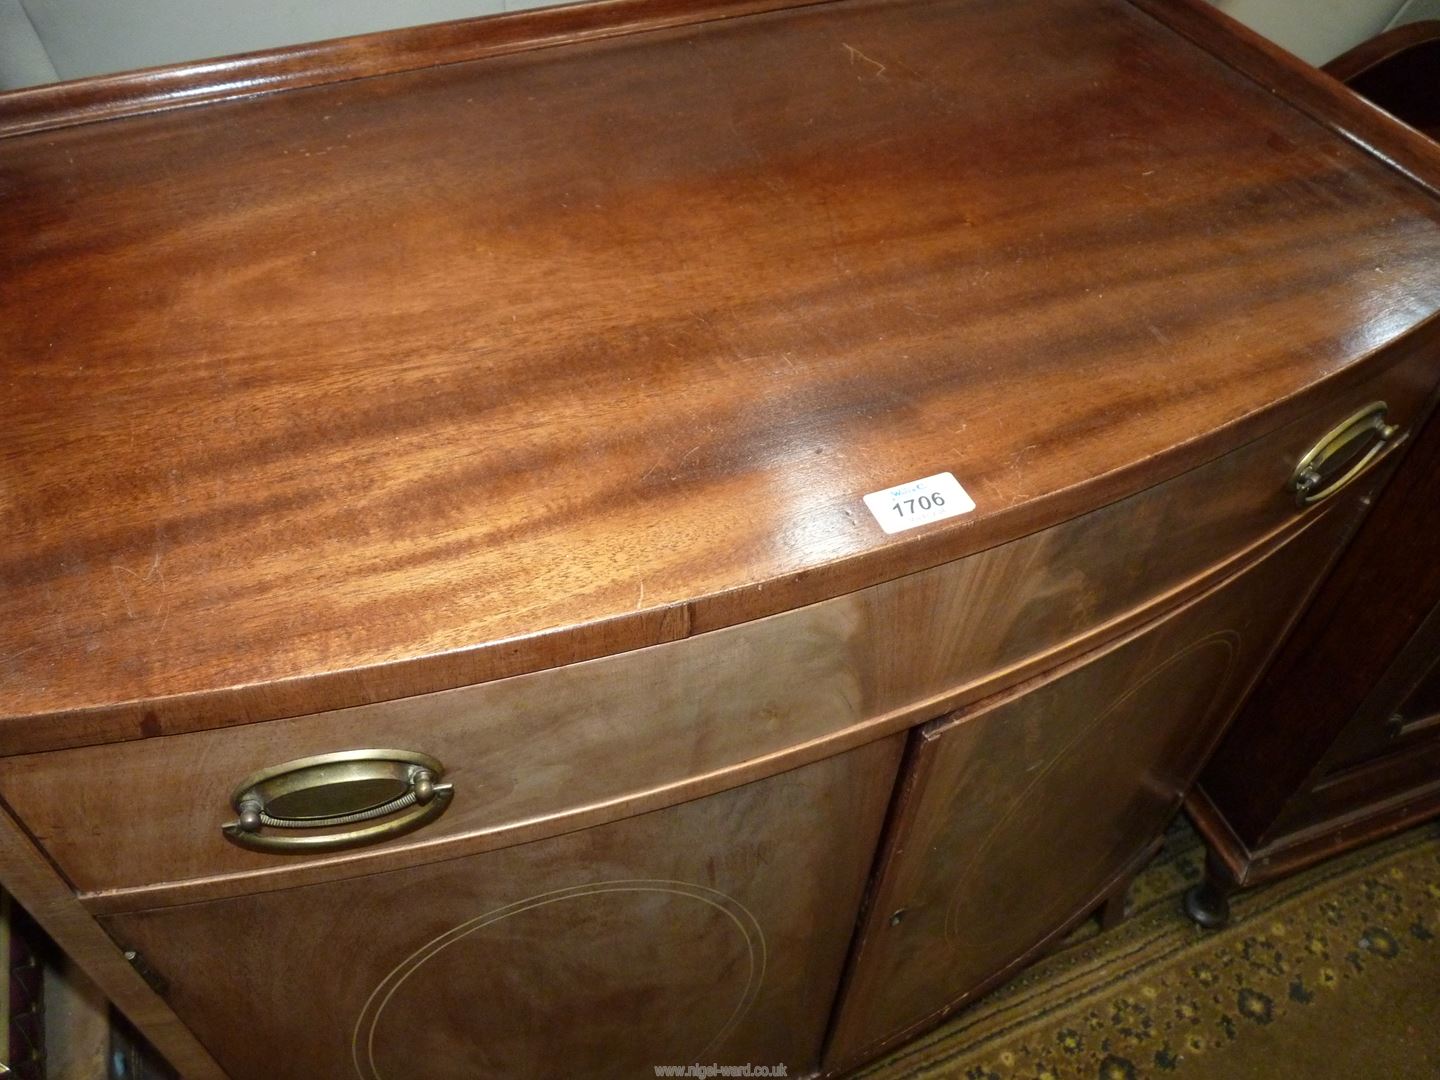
(41, 40)
(1314, 30)
(1415, 10)
(96, 37)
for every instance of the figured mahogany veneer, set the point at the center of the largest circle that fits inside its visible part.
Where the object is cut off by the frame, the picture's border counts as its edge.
(550, 751)
(424, 380)
(1019, 816)
(601, 953)
(1341, 742)
(507, 391)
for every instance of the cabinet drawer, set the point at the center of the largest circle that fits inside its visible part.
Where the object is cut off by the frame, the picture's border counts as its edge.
(557, 749)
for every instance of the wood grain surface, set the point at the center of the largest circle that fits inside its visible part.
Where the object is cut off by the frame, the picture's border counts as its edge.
(360, 56)
(366, 390)
(1018, 816)
(1315, 749)
(554, 750)
(1319, 96)
(711, 931)
(1333, 684)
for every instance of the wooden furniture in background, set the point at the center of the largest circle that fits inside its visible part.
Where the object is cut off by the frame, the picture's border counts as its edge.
(1399, 71)
(1341, 742)
(444, 401)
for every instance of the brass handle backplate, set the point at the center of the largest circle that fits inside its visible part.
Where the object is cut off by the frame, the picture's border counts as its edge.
(294, 807)
(1342, 454)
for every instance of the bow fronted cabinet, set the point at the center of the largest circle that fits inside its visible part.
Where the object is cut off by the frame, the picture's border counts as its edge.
(646, 533)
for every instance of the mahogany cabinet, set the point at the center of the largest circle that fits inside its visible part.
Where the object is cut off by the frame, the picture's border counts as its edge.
(622, 535)
(1023, 814)
(712, 930)
(1341, 742)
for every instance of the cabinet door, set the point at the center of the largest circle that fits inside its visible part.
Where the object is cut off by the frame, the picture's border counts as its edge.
(712, 931)
(1390, 749)
(1021, 814)
(1401, 713)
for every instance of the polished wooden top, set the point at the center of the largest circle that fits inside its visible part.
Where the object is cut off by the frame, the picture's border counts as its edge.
(361, 390)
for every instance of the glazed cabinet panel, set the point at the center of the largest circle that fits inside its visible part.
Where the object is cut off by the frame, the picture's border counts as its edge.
(1020, 816)
(714, 930)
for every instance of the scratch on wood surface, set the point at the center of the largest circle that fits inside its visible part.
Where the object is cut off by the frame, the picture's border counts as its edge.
(116, 571)
(153, 574)
(661, 460)
(855, 54)
(1016, 457)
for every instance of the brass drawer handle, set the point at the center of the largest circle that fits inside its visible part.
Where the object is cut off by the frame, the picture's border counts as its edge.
(397, 789)
(1342, 454)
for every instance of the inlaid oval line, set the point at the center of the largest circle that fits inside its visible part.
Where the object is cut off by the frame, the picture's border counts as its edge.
(745, 923)
(957, 931)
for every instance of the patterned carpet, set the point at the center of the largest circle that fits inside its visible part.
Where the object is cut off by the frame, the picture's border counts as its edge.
(1333, 973)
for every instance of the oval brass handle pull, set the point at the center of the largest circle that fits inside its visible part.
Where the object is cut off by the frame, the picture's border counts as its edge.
(398, 790)
(1342, 454)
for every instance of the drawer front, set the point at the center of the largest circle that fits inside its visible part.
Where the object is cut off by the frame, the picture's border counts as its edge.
(1020, 816)
(540, 753)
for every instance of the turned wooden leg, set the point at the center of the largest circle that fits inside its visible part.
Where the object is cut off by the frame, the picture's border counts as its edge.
(1208, 903)
(1112, 909)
